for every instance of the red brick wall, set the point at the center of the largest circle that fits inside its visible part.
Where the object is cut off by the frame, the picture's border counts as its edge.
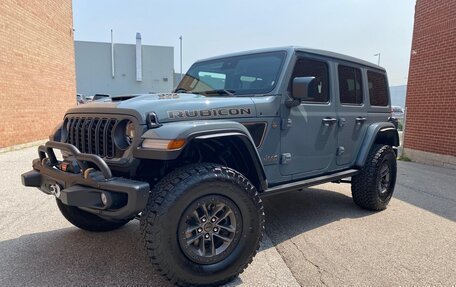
(37, 71)
(431, 91)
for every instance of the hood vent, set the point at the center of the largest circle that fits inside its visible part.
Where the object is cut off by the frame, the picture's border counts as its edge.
(121, 98)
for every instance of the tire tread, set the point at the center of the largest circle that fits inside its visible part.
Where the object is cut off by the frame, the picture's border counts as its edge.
(364, 183)
(161, 199)
(88, 221)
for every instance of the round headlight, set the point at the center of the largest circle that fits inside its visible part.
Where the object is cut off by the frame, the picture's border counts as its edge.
(130, 132)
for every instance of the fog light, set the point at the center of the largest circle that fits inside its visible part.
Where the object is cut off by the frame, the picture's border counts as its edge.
(104, 199)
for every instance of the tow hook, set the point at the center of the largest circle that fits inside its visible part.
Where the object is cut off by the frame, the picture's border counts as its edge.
(55, 189)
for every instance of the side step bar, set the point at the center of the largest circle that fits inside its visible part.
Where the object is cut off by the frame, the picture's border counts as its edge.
(308, 182)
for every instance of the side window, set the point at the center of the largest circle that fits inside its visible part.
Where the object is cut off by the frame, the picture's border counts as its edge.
(317, 69)
(350, 85)
(378, 90)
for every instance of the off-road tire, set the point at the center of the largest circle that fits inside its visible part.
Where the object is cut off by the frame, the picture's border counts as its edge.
(365, 191)
(88, 221)
(178, 191)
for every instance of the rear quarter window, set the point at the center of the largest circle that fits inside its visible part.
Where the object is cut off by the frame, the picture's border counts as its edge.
(378, 90)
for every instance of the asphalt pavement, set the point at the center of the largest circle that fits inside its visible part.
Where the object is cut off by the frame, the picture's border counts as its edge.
(314, 237)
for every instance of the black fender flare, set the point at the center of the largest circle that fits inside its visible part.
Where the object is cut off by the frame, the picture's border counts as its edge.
(383, 132)
(250, 147)
(200, 131)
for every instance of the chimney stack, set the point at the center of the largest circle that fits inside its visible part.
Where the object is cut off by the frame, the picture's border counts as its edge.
(138, 58)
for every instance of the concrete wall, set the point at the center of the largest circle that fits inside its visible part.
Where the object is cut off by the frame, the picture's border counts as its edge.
(37, 77)
(93, 69)
(431, 93)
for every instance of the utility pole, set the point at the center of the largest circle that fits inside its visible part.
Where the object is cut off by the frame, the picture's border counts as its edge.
(112, 54)
(180, 39)
(378, 55)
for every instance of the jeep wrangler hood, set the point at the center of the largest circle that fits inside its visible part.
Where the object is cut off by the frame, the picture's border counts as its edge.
(172, 107)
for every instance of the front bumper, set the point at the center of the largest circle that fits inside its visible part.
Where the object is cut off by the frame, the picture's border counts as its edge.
(94, 189)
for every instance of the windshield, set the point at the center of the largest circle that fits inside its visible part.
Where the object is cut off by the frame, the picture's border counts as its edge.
(240, 75)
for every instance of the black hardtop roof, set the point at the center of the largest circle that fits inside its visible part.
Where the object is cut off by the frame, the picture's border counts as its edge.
(292, 49)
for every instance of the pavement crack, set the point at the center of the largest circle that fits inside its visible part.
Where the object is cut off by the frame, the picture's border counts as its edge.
(319, 269)
(407, 268)
(272, 268)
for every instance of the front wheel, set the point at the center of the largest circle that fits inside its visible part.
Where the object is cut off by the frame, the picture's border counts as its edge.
(373, 187)
(202, 225)
(88, 221)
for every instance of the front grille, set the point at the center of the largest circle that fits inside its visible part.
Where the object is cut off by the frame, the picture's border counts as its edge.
(92, 135)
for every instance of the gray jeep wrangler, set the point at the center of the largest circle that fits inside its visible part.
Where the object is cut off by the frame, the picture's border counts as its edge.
(193, 165)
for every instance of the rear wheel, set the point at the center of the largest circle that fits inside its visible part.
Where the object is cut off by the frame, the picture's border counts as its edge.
(373, 187)
(88, 221)
(202, 225)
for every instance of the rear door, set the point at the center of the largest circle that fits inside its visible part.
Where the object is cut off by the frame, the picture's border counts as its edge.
(351, 111)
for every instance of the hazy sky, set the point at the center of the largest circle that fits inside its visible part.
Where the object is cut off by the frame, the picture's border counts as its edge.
(359, 28)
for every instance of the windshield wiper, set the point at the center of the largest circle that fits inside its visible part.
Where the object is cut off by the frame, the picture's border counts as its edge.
(219, 92)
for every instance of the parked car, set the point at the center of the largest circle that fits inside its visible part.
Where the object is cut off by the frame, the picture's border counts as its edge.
(89, 98)
(98, 97)
(394, 121)
(194, 165)
(80, 99)
(397, 112)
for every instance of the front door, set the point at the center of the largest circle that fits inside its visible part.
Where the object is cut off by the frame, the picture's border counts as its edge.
(352, 113)
(309, 131)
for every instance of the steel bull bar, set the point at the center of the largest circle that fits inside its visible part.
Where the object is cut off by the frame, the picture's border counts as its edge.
(90, 186)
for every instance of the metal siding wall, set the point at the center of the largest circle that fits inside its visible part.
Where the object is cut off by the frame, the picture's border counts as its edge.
(93, 69)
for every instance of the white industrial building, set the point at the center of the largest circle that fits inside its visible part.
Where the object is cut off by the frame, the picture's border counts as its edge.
(116, 69)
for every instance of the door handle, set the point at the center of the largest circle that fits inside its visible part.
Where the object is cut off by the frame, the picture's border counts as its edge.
(328, 121)
(360, 120)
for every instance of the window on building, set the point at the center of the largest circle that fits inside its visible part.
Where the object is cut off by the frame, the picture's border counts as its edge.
(317, 69)
(378, 90)
(350, 86)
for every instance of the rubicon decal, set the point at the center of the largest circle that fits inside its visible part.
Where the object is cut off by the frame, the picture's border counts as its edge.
(212, 113)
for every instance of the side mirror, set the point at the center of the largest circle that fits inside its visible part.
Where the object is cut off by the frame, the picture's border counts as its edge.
(304, 88)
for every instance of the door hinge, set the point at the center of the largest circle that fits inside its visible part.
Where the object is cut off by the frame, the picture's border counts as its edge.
(285, 158)
(286, 124)
(340, 150)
